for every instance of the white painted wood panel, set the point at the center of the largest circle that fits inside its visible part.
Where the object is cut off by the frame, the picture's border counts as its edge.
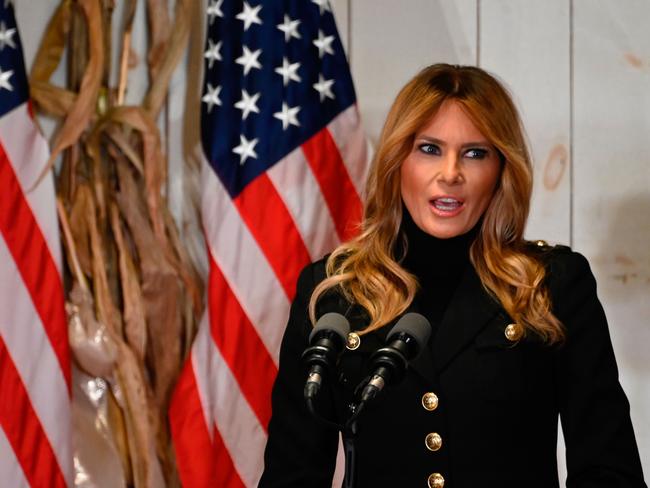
(526, 44)
(391, 41)
(341, 10)
(612, 181)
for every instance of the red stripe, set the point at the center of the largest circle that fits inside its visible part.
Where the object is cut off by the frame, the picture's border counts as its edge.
(268, 219)
(34, 261)
(240, 346)
(226, 475)
(23, 429)
(335, 183)
(189, 432)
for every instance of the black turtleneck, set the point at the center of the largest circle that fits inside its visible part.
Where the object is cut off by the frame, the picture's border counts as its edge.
(438, 264)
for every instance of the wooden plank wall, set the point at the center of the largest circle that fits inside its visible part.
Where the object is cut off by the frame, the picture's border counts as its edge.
(579, 71)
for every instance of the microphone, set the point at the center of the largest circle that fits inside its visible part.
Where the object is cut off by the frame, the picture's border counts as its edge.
(409, 336)
(326, 343)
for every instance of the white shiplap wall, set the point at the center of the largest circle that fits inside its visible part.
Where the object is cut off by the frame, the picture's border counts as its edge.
(579, 71)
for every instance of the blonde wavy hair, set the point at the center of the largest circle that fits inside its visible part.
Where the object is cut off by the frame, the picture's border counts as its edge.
(365, 269)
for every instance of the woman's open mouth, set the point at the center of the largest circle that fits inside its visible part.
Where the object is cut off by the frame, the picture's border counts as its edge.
(446, 206)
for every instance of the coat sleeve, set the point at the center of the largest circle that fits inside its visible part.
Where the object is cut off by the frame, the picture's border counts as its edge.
(601, 449)
(299, 452)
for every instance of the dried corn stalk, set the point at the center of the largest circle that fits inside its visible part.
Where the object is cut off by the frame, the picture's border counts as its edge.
(134, 293)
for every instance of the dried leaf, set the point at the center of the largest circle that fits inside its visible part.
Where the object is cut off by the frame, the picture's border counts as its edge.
(184, 267)
(142, 437)
(52, 45)
(81, 111)
(107, 312)
(51, 99)
(129, 15)
(159, 24)
(135, 327)
(155, 97)
(80, 232)
(160, 289)
(73, 257)
(121, 140)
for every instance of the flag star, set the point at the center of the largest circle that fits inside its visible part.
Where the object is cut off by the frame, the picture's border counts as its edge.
(288, 116)
(324, 88)
(288, 71)
(248, 103)
(246, 149)
(290, 28)
(6, 36)
(324, 44)
(212, 52)
(214, 10)
(249, 15)
(4, 80)
(212, 97)
(323, 5)
(249, 60)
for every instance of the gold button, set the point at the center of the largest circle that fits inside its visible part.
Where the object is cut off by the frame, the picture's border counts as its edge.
(436, 480)
(541, 243)
(433, 441)
(514, 332)
(354, 341)
(430, 401)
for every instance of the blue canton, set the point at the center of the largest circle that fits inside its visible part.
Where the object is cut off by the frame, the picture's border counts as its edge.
(275, 74)
(14, 89)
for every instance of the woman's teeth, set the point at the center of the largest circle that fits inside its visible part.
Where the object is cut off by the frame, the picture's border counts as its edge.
(446, 204)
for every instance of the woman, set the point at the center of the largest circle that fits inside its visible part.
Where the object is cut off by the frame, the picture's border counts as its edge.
(519, 336)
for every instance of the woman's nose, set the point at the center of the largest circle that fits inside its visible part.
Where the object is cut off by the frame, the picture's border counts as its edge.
(450, 172)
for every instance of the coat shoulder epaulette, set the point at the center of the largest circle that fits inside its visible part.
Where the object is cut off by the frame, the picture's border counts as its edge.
(546, 252)
(538, 245)
(543, 246)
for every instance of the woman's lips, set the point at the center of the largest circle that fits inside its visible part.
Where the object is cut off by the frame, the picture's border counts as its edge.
(446, 206)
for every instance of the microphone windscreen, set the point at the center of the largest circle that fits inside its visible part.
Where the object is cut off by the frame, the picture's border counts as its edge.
(334, 322)
(414, 325)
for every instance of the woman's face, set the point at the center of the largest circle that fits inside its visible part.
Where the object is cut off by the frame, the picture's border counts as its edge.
(449, 177)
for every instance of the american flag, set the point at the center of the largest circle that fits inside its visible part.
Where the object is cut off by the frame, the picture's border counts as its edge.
(34, 355)
(284, 164)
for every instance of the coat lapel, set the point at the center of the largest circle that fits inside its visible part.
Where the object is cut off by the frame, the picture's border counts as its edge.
(469, 310)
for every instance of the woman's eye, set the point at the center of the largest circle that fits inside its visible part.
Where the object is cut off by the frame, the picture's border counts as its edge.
(476, 153)
(429, 148)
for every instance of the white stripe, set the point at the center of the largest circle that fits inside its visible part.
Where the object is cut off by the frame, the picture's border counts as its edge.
(242, 263)
(350, 139)
(201, 350)
(240, 430)
(35, 360)
(296, 184)
(11, 472)
(28, 153)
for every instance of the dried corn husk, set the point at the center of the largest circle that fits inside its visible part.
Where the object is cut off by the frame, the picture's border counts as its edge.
(134, 294)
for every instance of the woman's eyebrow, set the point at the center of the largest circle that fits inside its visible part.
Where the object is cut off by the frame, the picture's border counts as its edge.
(440, 142)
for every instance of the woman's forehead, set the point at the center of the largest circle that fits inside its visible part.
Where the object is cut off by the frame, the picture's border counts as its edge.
(450, 123)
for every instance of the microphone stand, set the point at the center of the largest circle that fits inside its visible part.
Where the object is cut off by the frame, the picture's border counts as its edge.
(349, 432)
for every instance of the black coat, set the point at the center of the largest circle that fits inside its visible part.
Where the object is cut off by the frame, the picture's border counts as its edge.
(499, 400)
